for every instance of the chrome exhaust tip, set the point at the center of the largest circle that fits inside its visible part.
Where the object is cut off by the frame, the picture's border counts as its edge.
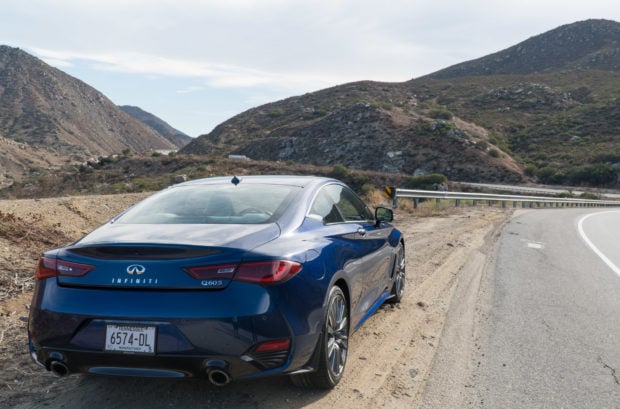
(218, 376)
(59, 369)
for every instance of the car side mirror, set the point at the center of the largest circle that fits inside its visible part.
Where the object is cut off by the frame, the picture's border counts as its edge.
(383, 215)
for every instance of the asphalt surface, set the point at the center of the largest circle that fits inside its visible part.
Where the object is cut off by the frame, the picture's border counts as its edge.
(550, 337)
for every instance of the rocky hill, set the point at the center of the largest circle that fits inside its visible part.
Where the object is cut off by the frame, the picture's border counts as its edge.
(175, 136)
(48, 118)
(546, 109)
(586, 45)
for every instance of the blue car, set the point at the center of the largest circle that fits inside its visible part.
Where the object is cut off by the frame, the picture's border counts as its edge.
(223, 278)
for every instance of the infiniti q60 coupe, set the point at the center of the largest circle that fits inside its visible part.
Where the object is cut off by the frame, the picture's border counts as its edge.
(224, 278)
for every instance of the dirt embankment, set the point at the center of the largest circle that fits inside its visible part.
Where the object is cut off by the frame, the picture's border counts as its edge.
(390, 356)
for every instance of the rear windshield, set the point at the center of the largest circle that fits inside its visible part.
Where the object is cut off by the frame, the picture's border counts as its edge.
(213, 204)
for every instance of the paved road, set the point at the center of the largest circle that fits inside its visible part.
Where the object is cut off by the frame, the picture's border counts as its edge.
(552, 339)
(547, 327)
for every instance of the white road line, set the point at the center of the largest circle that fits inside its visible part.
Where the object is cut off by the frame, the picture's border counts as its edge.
(592, 246)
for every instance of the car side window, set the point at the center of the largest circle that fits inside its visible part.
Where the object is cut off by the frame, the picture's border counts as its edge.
(351, 207)
(337, 204)
(325, 208)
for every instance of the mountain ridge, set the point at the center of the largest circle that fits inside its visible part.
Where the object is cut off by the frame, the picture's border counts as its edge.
(546, 125)
(178, 138)
(58, 118)
(586, 45)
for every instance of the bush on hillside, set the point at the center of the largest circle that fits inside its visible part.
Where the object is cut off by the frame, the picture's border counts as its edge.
(427, 182)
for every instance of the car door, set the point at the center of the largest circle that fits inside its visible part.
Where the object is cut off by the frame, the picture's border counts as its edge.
(360, 243)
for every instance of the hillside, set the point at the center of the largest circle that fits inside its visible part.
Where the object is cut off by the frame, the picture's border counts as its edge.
(54, 118)
(178, 138)
(586, 45)
(545, 109)
(365, 125)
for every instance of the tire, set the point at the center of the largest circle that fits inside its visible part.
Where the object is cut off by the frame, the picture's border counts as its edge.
(333, 345)
(398, 288)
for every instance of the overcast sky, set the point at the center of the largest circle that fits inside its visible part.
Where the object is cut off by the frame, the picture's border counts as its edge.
(196, 63)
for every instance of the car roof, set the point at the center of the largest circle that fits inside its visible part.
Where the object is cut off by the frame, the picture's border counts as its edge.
(294, 180)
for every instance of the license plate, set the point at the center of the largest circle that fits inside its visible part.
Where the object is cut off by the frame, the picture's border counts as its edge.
(130, 338)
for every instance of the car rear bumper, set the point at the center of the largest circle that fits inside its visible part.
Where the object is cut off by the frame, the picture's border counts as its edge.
(66, 341)
(157, 366)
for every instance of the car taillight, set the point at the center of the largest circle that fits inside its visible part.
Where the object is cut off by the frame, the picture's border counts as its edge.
(49, 267)
(46, 268)
(260, 272)
(267, 272)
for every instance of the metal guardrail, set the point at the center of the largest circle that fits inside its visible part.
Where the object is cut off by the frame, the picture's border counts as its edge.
(526, 201)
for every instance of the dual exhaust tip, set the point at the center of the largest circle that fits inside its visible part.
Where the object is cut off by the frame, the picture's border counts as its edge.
(216, 375)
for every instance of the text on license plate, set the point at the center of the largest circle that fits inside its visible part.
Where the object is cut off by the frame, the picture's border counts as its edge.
(130, 338)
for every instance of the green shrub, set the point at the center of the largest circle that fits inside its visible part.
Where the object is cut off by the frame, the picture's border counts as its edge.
(339, 172)
(276, 112)
(589, 196)
(494, 153)
(530, 170)
(367, 189)
(597, 174)
(440, 114)
(426, 182)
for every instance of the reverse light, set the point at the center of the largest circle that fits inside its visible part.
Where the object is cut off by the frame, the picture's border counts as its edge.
(49, 267)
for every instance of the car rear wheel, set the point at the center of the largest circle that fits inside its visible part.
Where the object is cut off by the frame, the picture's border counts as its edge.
(333, 345)
(398, 288)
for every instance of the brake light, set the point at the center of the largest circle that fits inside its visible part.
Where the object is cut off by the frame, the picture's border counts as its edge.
(267, 272)
(49, 267)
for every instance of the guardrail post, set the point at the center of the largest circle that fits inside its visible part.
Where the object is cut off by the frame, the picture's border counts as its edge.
(474, 202)
(416, 201)
(523, 204)
(438, 202)
(457, 202)
(531, 205)
(504, 204)
(514, 204)
(490, 203)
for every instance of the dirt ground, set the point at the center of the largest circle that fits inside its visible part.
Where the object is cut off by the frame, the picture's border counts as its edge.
(390, 356)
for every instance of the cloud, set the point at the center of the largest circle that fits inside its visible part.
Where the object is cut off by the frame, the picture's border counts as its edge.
(213, 74)
(191, 89)
(57, 63)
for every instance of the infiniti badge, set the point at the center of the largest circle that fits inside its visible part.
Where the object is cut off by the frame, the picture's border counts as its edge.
(136, 268)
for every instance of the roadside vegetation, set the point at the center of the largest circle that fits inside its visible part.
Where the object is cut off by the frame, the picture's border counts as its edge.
(132, 174)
